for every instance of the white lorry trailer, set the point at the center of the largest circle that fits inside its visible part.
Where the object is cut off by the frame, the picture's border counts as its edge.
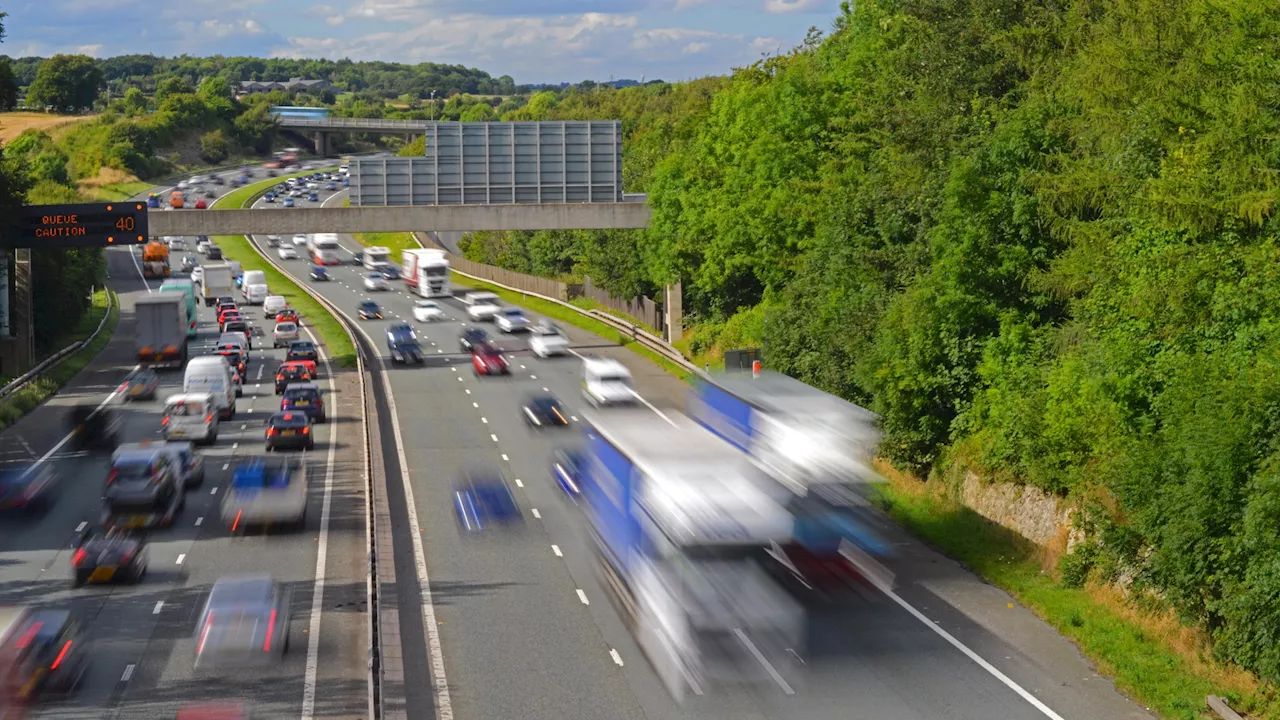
(375, 257)
(160, 334)
(217, 282)
(426, 271)
(684, 525)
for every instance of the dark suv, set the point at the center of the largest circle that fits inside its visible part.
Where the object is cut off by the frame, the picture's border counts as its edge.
(303, 398)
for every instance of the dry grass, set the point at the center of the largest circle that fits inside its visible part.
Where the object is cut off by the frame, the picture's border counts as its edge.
(12, 124)
(107, 176)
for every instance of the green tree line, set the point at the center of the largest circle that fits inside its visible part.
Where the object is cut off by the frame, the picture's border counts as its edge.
(1039, 238)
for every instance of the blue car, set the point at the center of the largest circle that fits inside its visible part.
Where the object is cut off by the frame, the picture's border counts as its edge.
(240, 280)
(313, 197)
(269, 198)
(331, 185)
(484, 499)
(346, 182)
(566, 470)
(319, 272)
(390, 272)
(27, 488)
(288, 202)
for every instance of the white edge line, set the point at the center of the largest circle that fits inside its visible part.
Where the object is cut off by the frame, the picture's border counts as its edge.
(1035, 702)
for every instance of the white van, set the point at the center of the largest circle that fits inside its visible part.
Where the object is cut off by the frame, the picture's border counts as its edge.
(607, 382)
(255, 294)
(481, 306)
(273, 304)
(212, 374)
(190, 416)
(252, 277)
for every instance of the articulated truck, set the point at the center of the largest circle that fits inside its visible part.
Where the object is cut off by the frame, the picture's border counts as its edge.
(161, 331)
(426, 271)
(684, 526)
(155, 260)
(818, 447)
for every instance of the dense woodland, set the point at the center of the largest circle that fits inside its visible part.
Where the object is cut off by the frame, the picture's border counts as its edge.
(1038, 238)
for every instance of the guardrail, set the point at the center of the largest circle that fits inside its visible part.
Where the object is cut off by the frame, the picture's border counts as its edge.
(20, 381)
(637, 334)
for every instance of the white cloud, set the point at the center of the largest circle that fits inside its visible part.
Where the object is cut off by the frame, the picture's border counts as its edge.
(90, 50)
(335, 20)
(789, 6)
(694, 48)
(221, 29)
(686, 4)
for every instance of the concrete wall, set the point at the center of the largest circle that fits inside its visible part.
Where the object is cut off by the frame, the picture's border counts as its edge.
(279, 221)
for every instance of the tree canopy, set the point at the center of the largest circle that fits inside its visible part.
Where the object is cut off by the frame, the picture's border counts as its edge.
(66, 83)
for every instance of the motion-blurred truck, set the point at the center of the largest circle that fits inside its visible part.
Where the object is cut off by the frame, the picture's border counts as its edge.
(160, 335)
(684, 525)
(426, 271)
(155, 260)
(818, 447)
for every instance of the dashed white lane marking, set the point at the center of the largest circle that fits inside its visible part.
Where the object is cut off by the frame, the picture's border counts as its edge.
(574, 418)
(159, 604)
(242, 427)
(518, 483)
(495, 437)
(199, 521)
(475, 404)
(583, 597)
(468, 392)
(459, 379)
(533, 377)
(181, 558)
(545, 390)
(81, 526)
(454, 369)
(235, 445)
(505, 458)
(536, 513)
(521, 367)
(213, 491)
(226, 465)
(484, 420)
(556, 549)
(128, 673)
(616, 657)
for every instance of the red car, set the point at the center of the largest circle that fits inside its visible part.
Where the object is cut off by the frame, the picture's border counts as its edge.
(288, 315)
(487, 360)
(201, 204)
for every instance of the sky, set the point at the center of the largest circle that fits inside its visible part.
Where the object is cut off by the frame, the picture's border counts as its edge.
(533, 41)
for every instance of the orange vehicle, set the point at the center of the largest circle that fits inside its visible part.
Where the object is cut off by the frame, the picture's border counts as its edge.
(176, 198)
(155, 260)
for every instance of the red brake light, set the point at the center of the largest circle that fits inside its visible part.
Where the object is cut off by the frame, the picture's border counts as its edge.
(111, 476)
(208, 418)
(306, 430)
(79, 557)
(204, 635)
(271, 431)
(61, 655)
(29, 635)
(271, 630)
(164, 420)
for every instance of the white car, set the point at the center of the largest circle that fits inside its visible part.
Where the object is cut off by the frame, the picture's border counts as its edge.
(273, 241)
(375, 281)
(313, 186)
(511, 320)
(481, 306)
(548, 340)
(299, 239)
(197, 274)
(285, 333)
(427, 311)
(287, 253)
(183, 184)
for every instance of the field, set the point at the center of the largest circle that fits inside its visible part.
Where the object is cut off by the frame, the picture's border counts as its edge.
(13, 123)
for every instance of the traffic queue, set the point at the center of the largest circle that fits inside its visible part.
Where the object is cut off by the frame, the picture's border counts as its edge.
(44, 653)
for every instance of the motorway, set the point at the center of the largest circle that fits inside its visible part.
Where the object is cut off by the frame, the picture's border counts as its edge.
(525, 629)
(142, 647)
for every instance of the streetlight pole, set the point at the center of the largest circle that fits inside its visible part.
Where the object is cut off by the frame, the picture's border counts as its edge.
(433, 106)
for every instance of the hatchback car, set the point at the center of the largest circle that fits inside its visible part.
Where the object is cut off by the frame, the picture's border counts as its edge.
(369, 310)
(427, 311)
(487, 360)
(287, 253)
(288, 314)
(291, 372)
(303, 350)
(318, 272)
(303, 398)
(286, 332)
(541, 411)
(375, 281)
(472, 337)
(290, 430)
(245, 620)
(288, 202)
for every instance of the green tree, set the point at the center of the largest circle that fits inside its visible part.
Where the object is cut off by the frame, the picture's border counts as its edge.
(8, 87)
(256, 128)
(135, 103)
(214, 147)
(66, 83)
(172, 85)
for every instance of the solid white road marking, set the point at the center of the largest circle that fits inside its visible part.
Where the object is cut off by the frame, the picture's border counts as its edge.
(556, 549)
(583, 597)
(181, 558)
(616, 657)
(159, 604)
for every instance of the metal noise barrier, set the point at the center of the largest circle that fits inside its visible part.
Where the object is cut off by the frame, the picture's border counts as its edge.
(21, 381)
(636, 333)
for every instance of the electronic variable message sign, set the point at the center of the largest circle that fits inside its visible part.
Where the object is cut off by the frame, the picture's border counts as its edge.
(79, 225)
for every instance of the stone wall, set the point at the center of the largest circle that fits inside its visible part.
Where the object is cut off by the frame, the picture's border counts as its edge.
(1032, 513)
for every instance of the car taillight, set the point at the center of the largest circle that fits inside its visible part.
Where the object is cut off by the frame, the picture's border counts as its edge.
(79, 557)
(164, 420)
(61, 655)
(208, 418)
(271, 630)
(271, 431)
(306, 430)
(204, 635)
(279, 378)
(111, 476)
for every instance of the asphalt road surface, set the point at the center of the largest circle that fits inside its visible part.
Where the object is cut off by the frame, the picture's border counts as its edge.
(142, 649)
(526, 631)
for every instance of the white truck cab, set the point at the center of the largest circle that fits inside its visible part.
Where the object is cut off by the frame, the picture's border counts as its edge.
(481, 306)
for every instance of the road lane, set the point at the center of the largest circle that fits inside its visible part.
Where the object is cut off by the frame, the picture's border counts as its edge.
(873, 656)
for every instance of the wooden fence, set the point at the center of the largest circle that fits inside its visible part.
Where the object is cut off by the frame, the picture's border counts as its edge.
(641, 308)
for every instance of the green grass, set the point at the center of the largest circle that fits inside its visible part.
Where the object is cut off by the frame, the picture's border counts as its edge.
(237, 247)
(119, 191)
(23, 401)
(1140, 656)
(571, 317)
(396, 242)
(587, 303)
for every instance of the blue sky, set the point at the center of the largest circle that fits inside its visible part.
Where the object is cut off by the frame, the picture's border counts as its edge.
(530, 40)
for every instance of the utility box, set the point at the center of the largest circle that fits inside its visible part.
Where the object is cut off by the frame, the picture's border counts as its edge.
(740, 360)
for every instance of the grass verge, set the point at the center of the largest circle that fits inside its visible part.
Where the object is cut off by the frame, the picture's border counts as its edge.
(571, 317)
(23, 401)
(237, 247)
(1153, 659)
(116, 192)
(396, 242)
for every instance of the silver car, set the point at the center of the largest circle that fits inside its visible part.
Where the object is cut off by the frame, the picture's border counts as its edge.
(245, 622)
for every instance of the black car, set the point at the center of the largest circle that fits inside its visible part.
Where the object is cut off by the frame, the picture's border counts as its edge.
(217, 180)
(290, 430)
(189, 263)
(390, 272)
(226, 300)
(303, 350)
(544, 411)
(237, 358)
(210, 194)
(369, 310)
(318, 272)
(357, 258)
(48, 654)
(213, 253)
(472, 337)
(113, 556)
(291, 373)
(94, 427)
